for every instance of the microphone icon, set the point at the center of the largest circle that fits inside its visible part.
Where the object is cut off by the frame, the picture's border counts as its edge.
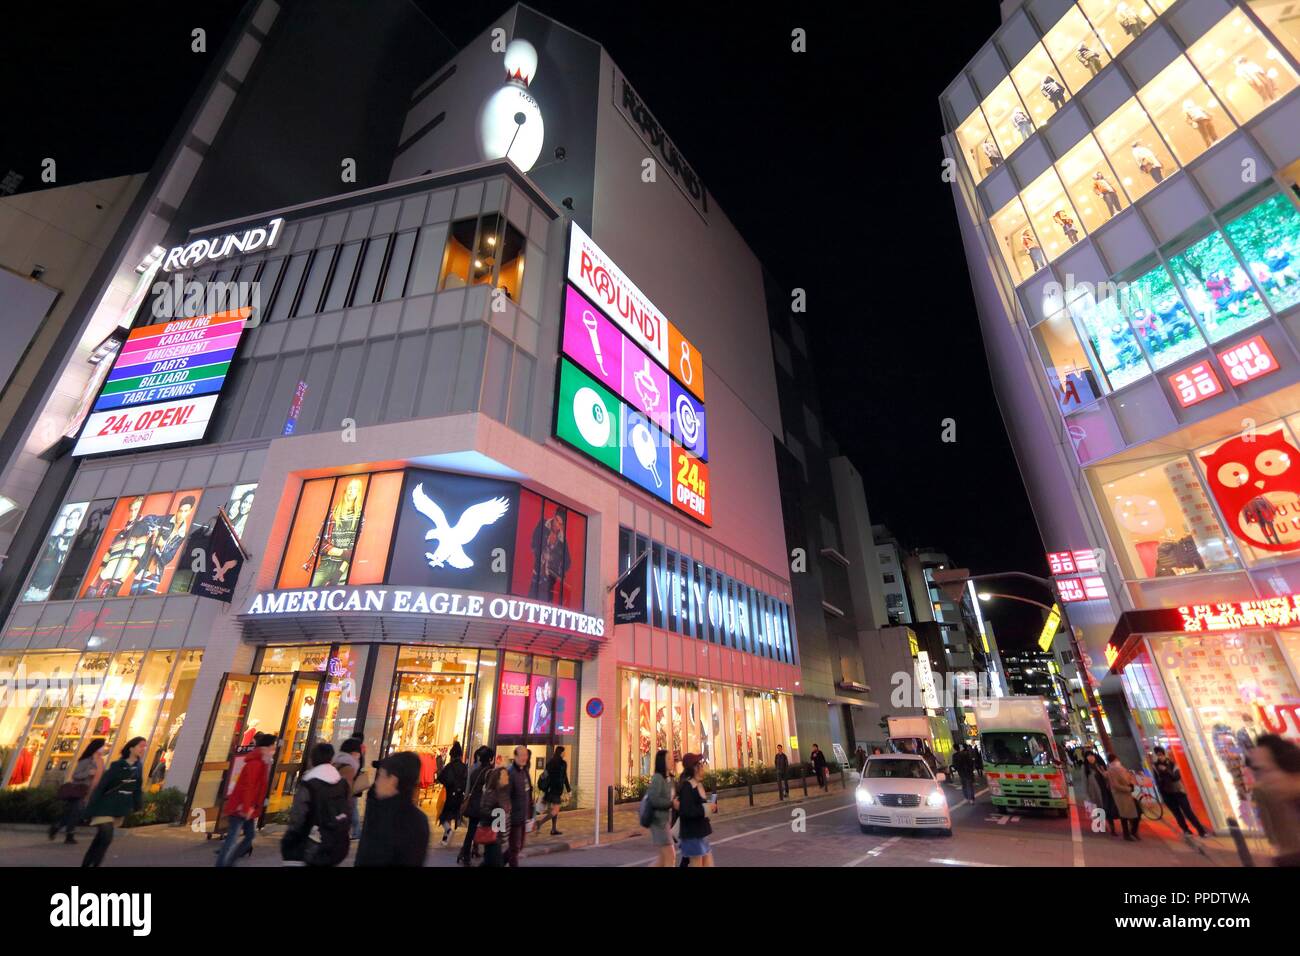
(589, 321)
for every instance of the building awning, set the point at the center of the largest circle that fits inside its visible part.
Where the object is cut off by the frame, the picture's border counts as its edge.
(419, 615)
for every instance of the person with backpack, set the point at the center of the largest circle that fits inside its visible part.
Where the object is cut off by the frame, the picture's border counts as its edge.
(246, 798)
(396, 831)
(478, 780)
(319, 823)
(494, 815)
(348, 761)
(119, 793)
(656, 806)
(454, 777)
(553, 784)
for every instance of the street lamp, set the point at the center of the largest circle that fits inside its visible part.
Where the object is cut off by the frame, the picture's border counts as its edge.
(957, 579)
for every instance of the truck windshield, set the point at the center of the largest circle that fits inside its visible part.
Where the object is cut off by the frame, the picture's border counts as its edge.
(1012, 748)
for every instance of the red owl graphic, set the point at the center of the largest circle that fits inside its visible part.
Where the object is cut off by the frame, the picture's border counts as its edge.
(1257, 486)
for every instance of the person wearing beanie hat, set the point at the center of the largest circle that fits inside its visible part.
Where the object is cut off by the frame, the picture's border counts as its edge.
(395, 831)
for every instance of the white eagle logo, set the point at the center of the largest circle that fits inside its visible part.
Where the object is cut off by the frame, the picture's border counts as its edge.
(221, 568)
(452, 539)
(628, 599)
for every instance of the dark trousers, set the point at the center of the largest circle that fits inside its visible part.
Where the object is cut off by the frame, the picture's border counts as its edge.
(517, 836)
(71, 817)
(234, 847)
(1112, 202)
(782, 786)
(968, 787)
(492, 853)
(467, 848)
(1182, 810)
(98, 848)
(1130, 826)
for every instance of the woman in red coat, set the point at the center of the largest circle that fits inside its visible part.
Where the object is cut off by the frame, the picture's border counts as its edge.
(245, 798)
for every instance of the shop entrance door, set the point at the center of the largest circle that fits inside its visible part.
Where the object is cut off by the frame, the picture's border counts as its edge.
(225, 727)
(427, 714)
(296, 735)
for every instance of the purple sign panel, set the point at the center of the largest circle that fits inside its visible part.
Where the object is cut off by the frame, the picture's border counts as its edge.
(614, 360)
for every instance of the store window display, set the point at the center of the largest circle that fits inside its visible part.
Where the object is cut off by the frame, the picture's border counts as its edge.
(1186, 113)
(1242, 67)
(1016, 238)
(1160, 515)
(973, 136)
(1268, 239)
(1280, 19)
(998, 108)
(1053, 217)
(1041, 92)
(141, 545)
(1111, 338)
(550, 552)
(1230, 688)
(58, 543)
(1135, 150)
(1091, 183)
(341, 531)
(1255, 479)
(1159, 316)
(39, 687)
(1117, 23)
(1069, 372)
(1218, 288)
(1078, 53)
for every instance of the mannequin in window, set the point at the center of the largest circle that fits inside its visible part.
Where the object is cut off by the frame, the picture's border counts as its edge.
(1102, 187)
(1031, 248)
(1129, 21)
(1053, 90)
(1147, 162)
(1067, 225)
(1200, 121)
(338, 538)
(1089, 58)
(1257, 78)
(991, 152)
(1024, 125)
(124, 552)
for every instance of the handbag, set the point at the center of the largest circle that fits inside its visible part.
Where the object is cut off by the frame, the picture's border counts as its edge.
(646, 814)
(72, 791)
(484, 834)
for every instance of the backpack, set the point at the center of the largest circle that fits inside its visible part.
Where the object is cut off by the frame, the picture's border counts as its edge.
(332, 820)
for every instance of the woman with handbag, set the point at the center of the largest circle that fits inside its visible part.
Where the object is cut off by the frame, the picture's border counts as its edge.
(494, 816)
(554, 783)
(73, 793)
(695, 807)
(119, 793)
(478, 779)
(660, 802)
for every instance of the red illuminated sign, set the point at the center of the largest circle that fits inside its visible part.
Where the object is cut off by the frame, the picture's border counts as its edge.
(1091, 588)
(1195, 384)
(1241, 615)
(1249, 360)
(1072, 562)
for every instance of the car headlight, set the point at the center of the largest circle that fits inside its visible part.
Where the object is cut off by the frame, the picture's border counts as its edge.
(865, 798)
(936, 799)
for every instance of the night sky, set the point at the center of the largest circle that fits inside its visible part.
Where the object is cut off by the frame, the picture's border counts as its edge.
(828, 162)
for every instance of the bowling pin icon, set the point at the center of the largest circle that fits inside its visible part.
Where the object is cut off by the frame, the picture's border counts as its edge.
(510, 121)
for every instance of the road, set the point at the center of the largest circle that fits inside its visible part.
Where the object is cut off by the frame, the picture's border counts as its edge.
(822, 831)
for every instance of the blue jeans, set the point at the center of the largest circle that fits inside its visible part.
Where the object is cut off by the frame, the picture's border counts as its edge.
(233, 848)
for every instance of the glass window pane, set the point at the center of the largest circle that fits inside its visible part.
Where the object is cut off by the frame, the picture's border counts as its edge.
(1279, 16)
(1091, 183)
(1184, 110)
(1161, 517)
(1078, 54)
(1252, 478)
(977, 146)
(58, 544)
(1054, 218)
(1218, 287)
(1135, 149)
(288, 290)
(368, 280)
(82, 549)
(1160, 317)
(999, 108)
(341, 282)
(309, 302)
(399, 263)
(1111, 339)
(1120, 24)
(1041, 91)
(1069, 373)
(1016, 239)
(1268, 238)
(1241, 66)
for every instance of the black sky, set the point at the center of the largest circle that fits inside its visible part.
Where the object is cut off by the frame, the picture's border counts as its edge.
(828, 162)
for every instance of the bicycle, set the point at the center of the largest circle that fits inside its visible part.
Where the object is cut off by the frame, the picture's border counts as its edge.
(1148, 799)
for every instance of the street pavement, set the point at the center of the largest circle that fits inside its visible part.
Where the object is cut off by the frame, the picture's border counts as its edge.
(817, 831)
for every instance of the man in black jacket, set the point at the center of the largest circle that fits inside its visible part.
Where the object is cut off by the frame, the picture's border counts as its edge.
(1169, 779)
(521, 804)
(782, 771)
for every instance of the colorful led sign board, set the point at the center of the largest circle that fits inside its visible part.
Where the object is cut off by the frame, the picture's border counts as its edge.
(164, 384)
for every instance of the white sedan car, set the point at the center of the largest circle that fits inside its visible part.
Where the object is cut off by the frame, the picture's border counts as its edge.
(900, 791)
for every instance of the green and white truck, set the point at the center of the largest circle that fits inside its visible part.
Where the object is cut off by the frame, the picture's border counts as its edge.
(1021, 761)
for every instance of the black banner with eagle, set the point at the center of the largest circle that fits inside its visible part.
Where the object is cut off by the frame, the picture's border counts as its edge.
(223, 559)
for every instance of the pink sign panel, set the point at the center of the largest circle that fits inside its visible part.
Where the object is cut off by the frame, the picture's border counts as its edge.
(603, 351)
(513, 703)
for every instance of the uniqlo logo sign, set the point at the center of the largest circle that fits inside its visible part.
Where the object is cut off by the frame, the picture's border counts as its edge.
(1072, 562)
(1091, 588)
(1249, 360)
(1195, 384)
(1061, 562)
